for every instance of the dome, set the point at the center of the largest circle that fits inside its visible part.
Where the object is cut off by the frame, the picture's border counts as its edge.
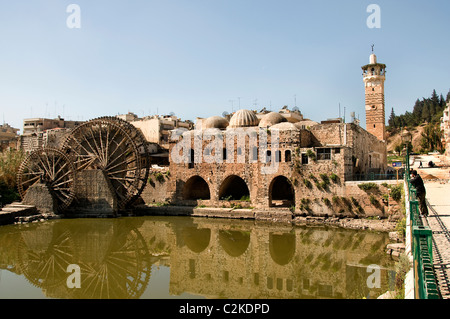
(215, 122)
(243, 118)
(305, 124)
(286, 126)
(272, 118)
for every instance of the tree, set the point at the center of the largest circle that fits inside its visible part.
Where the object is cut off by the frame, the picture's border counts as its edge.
(426, 115)
(391, 120)
(431, 138)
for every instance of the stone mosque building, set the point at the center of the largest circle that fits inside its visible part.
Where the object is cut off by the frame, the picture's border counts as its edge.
(276, 159)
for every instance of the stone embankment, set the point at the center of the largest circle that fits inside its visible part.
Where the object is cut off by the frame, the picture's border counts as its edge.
(282, 215)
(17, 213)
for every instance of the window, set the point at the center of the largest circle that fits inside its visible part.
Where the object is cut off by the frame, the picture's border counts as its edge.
(268, 156)
(287, 156)
(191, 159)
(304, 159)
(324, 154)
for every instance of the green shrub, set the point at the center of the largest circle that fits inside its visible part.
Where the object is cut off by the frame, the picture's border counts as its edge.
(307, 183)
(159, 177)
(367, 187)
(334, 177)
(396, 192)
(325, 178)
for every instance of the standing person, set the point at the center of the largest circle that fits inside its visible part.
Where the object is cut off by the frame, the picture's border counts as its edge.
(417, 182)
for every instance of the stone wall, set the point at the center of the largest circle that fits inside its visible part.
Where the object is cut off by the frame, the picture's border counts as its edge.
(305, 172)
(94, 195)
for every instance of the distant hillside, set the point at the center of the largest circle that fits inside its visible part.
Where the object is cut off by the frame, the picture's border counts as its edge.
(427, 110)
(423, 123)
(394, 138)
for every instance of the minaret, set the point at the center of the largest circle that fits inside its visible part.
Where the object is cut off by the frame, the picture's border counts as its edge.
(374, 77)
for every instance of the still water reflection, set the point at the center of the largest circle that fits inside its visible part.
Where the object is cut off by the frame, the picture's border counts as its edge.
(182, 257)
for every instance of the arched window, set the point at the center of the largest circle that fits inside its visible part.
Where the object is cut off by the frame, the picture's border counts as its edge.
(287, 156)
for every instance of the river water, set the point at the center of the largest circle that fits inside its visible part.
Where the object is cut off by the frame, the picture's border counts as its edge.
(184, 257)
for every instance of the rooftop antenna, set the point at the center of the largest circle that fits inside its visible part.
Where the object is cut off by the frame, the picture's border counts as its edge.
(373, 45)
(239, 99)
(232, 105)
(339, 110)
(295, 100)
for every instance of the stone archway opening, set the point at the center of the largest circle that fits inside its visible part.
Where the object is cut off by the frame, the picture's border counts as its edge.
(281, 192)
(196, 188)
(234, 188)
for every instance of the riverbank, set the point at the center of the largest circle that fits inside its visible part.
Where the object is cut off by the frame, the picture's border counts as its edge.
(281, 215)
(18, 213)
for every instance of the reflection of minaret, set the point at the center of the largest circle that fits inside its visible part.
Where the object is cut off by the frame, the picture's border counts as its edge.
(374, 77)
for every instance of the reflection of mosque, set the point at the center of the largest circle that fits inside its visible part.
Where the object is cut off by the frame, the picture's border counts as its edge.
(241, 260)
(208, 257)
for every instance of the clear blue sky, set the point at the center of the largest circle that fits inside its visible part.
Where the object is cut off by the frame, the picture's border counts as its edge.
(197, 57)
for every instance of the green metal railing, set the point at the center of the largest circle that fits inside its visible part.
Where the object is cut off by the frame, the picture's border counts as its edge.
(425, 283)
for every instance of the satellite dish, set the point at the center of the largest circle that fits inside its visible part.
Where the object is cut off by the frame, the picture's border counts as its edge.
(225, 114)
(295, 109)
(172, 113)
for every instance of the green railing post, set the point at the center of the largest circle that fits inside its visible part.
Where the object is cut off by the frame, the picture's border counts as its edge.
(425, 283)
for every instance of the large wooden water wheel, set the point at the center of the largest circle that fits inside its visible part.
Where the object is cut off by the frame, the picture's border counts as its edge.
(51, 167)
(114, 147)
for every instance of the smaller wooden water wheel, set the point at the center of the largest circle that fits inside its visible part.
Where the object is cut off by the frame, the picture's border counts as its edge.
(51, 167)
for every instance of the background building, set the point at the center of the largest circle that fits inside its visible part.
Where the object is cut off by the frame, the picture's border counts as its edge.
(8, 136)
(38, 131)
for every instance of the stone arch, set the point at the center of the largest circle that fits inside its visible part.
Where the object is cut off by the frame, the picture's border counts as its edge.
(281, 192)
(196, 188)
(233, 187)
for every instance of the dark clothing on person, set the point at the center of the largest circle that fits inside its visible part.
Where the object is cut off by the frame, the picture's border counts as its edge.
(417, 182)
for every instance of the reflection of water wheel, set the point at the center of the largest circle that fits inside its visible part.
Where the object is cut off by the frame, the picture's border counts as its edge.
(51, 167)
(46, 266)
(124, 272)
(110, 146)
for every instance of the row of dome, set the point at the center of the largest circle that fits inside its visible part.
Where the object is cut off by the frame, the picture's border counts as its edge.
(247, 118)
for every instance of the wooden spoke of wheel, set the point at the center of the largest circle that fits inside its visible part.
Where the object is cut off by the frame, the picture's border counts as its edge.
(51, 167)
